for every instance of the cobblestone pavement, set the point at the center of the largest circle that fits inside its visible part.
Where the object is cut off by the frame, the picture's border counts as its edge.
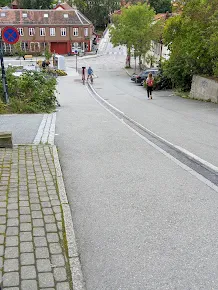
(33, 251)
(46, 131)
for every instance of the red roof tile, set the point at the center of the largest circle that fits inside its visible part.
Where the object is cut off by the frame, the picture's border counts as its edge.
(64, 6)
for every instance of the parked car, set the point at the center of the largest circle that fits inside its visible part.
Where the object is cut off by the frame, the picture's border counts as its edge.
(143, 75)
(133, 77)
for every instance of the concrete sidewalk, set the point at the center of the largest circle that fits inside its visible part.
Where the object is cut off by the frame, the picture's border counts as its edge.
(33, 239)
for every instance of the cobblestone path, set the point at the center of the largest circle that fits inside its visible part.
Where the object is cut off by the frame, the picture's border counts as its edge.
(32, 240)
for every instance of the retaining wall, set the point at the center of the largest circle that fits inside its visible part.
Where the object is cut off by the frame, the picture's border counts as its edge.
(204, 89)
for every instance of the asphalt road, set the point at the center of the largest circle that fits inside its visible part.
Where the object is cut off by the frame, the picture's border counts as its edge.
(141, 220)
(191, 124)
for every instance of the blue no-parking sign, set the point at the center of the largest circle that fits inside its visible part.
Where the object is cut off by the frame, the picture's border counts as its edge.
(10, 35)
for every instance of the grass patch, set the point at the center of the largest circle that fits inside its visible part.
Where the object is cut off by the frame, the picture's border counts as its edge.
(186, 95)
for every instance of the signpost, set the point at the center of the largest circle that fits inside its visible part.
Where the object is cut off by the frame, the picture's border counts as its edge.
(10, 35)
(76, 53)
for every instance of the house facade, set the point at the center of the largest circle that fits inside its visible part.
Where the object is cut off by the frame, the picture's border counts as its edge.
(62, 31)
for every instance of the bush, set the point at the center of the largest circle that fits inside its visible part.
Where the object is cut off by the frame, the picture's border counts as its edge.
(56, 72)
(162, 81)
(32, 92)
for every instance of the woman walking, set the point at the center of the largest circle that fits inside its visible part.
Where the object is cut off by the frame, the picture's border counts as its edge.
(150, 83)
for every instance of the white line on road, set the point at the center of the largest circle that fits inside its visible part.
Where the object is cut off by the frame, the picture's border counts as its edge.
(185, 167)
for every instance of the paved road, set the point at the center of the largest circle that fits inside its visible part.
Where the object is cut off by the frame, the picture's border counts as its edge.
(141, 221)
(193, 125)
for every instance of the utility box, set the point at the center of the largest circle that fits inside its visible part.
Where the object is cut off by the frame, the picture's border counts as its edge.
(59, 62)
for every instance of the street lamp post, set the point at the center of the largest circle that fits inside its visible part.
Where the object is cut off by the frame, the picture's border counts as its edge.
(4, 80)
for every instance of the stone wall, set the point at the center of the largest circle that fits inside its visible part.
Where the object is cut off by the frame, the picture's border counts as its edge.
(204, 89)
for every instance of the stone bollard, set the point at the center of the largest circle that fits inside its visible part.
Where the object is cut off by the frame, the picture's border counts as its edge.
(6, 140)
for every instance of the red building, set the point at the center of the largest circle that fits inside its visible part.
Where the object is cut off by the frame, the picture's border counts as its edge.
(63, 30)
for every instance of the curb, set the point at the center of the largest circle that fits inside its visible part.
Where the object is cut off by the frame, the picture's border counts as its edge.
(91, 56)
(75, 265)
(127, 72)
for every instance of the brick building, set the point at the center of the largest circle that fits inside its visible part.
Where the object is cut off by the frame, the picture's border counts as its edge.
(63, 30)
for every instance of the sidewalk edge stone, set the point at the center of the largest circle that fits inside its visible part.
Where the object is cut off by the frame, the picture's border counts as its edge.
(75, 265)
(127, 72)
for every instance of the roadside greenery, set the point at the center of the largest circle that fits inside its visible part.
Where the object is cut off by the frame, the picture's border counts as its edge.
(192, 39)
(32, 92)
(134, 28)
(31, 4)
(18, 50)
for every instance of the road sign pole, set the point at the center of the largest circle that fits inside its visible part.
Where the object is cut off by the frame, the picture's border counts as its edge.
(4, 80)
(10, 35)
(76, 62)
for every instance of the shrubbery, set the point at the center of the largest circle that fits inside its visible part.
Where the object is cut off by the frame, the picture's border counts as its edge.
(162, 81)
(32, 92)
(192, 38)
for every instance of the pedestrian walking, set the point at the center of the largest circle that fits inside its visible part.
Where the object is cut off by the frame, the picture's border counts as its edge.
(150, 84)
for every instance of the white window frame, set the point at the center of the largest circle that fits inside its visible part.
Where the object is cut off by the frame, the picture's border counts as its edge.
(75, 31)
(86, 32)
(31, 31)
(46, 15)
(63, 31)
(42, 31)
(24, 15)
(66, 15)
(20, 30)
(7, 47)
(52, 31)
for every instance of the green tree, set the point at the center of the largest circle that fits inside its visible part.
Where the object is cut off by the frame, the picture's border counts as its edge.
(161, 6)
(97, 10)
(35, 4)
(192, 39)
(4, 3)
(18, 50)
(134, 28)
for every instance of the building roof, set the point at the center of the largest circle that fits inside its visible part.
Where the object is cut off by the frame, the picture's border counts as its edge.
(160, 16)
(5, 8)
(37, 17)
(63, 6)
(15, 3)
(165, 16)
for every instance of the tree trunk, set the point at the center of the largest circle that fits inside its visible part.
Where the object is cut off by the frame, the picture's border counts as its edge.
(140, 62)
(128, 58)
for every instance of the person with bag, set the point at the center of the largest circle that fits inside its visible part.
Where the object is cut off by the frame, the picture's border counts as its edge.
(150, 84)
